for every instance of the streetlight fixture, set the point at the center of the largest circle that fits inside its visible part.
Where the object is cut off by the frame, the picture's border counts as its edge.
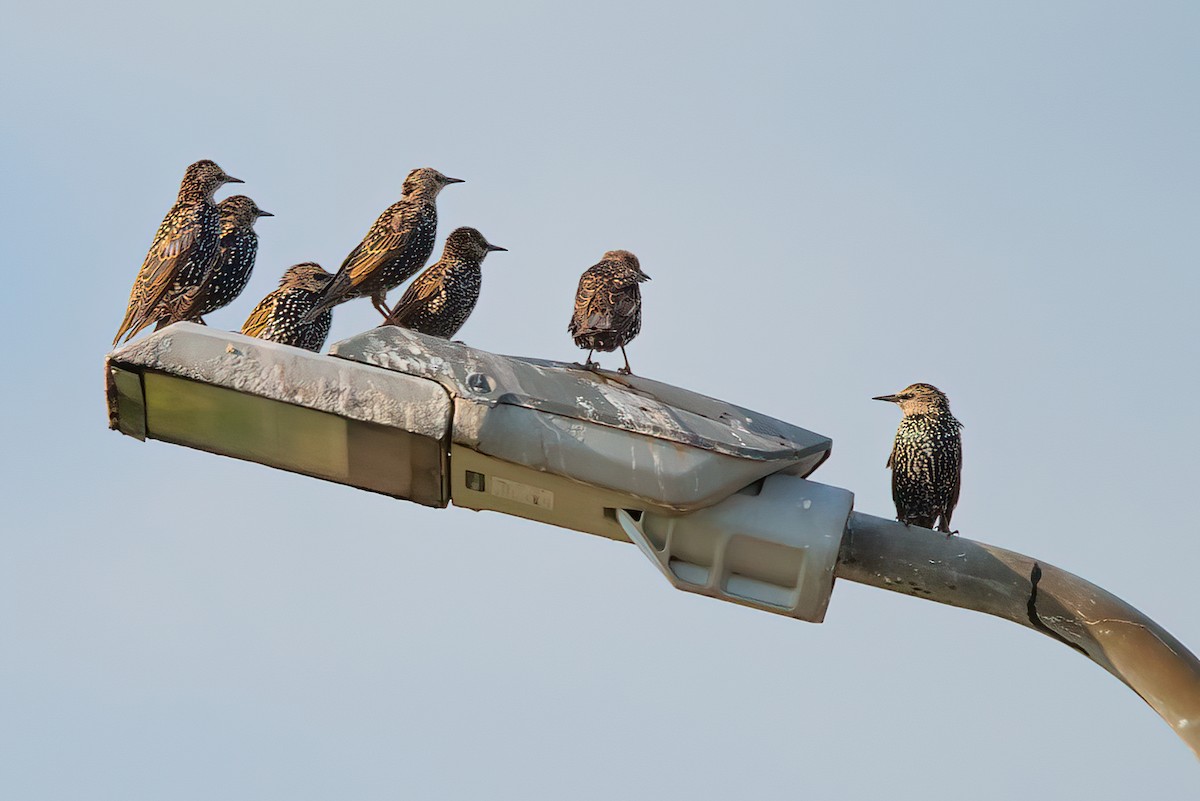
(715, 495)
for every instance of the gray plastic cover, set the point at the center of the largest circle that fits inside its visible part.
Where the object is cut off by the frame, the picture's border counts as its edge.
(663, 445)
(774, 549)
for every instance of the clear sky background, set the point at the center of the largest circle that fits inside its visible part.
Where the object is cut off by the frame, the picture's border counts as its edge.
(834, 200)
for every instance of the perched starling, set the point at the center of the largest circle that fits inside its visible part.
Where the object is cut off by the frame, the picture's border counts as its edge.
(230, 272)
(608, 305)
(183, 248)
(398, 244)
(281, 315)
(442, 297)
(926, 459)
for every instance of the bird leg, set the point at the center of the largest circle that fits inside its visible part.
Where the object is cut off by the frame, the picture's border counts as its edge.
(624, 370)
(379, 301)
(589, 364)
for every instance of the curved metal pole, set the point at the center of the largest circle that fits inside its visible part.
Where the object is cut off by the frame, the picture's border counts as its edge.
(975, 575)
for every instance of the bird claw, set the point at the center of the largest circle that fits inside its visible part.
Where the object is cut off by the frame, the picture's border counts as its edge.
(624, 371)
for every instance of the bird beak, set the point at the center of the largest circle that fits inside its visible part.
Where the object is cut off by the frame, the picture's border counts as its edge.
(496, 247)
(229, 179)
(645, 277)
(888, 398)
(448, 180)
(262, 213)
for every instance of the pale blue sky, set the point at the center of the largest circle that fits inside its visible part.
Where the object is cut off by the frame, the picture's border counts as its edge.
(834, 200)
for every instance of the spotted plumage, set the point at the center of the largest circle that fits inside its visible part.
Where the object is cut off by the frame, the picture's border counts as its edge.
(182, 250)
(230, 271)
(396, 246)
(441, 299)
(608, 305)
(926, 458)
(281, 315)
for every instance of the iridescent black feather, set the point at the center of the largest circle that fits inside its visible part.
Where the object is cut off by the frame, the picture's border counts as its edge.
(282, 315)
(441, 299)
(608, 304)
(183, 248)
(926, 458)
(231, 270)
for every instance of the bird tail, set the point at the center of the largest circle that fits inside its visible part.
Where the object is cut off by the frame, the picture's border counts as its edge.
(317, 309)
(121, 330)
(132, 323)
(325, 299)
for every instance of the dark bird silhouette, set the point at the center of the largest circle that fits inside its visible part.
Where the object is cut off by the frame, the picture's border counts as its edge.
(230, 271)
(183, 248)
(441, 299)
(398, 244)
(926, 458)
(281, 315)
(608, 305)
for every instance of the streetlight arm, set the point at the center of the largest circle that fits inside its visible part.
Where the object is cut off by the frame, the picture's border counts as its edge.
(974, 575)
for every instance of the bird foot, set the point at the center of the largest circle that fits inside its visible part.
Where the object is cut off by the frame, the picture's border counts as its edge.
(591, 365)
(624, 371)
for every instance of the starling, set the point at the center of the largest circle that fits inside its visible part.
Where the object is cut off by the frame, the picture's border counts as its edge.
(398, 244)
(183, 248)
(608, 305)
(926, 459)
(281, 315)
(230, 273)
(442, 297)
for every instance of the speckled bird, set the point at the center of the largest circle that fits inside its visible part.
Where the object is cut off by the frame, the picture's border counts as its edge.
(231, 270)
(398, 244)
(608, 305)
(926, 458)
(281, 315)
(441, 299)
(182, 250)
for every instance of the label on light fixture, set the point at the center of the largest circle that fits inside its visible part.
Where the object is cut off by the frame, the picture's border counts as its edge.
(521, 493)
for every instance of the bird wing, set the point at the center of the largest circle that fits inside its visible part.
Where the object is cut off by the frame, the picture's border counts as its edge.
(261, 316)
(956, 466)
(625, 300)
(598, 302)
(589, 283)
(417, 296)
(171, 248)
(608, 308)
(392, 232)
(190, 304)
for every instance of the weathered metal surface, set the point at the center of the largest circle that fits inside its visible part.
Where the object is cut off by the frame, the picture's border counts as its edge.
(291, 375)
(629, 403)
(974, 575)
